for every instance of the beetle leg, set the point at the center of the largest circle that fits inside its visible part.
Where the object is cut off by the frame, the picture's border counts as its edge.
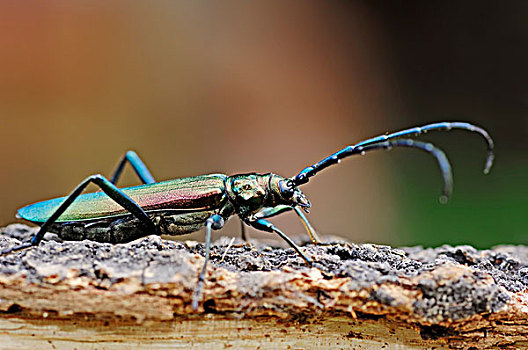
(309, 228)
(16, 248)
(265, 225)
(137, 164)
(110, 189)
(272, 211)
(214, 222)
(243, 231)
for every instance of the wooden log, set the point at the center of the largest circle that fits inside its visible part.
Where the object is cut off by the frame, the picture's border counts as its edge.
(80, 293)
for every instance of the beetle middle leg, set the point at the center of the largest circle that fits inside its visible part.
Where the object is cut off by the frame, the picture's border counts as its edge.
(146, 178)
(214, 222)
(110, 189)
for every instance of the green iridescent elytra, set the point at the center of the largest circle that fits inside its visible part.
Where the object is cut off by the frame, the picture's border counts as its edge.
(190, 193)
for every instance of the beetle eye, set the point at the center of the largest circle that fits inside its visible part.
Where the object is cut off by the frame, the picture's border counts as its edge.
(286, 189)
(246, 187)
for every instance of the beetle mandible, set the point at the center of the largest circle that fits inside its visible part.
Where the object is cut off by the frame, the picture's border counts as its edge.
(185, 205)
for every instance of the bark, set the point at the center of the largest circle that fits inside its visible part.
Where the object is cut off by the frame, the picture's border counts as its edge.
(372, 295)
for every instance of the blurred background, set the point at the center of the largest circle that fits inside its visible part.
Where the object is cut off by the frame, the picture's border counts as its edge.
(235, 86)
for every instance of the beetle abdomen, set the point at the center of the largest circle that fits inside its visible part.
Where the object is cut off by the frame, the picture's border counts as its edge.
(123, 230)
(191, 193)
(128, 228)
(180, 224)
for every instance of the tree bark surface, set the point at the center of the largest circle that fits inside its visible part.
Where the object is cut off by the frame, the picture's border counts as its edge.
(75, 294)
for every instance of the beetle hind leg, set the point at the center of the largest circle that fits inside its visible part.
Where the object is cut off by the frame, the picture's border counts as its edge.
(110, 189)
(16, 248)
(137, 164)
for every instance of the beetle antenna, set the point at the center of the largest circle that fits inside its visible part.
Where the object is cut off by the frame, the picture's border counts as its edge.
(305, 175)
(441, 158)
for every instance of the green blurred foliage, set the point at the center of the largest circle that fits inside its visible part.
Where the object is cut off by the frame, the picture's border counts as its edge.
(485, 210)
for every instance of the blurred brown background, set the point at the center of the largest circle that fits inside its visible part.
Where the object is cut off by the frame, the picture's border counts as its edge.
(236, 86)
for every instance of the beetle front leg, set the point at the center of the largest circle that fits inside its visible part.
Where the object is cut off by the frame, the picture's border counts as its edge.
(269, 212)
(309, 228)
(214, 222)
(109, 188)
(265, 225)
(137, 164)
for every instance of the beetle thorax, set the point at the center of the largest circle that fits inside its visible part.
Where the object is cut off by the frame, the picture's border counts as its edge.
(250, 193)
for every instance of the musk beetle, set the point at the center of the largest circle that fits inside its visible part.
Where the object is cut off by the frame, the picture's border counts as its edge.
(185, 205)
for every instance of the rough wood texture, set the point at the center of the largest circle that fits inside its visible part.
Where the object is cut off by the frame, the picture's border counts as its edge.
(455, 297)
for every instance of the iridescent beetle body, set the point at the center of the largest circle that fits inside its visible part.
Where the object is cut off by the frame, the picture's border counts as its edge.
(175, 207)
(186, 205)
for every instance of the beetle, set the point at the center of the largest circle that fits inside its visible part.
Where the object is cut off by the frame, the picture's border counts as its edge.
(185, 205)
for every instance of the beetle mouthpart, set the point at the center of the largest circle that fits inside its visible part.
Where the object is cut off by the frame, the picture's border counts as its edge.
(301, 200)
